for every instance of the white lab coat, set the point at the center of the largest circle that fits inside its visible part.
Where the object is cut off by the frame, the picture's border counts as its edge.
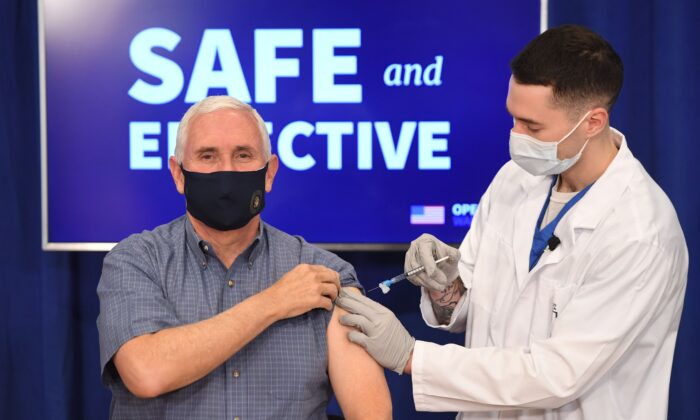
(589, 333)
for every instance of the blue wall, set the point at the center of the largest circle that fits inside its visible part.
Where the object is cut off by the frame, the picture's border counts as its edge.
(49, 364)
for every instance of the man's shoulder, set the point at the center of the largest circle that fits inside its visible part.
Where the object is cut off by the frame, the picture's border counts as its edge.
(143, 255)
(162, 236)
(644, 212)
(277, 236)
(282, 243)
(641, 210)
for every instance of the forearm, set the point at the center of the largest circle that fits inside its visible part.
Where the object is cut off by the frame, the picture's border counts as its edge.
(173, 358)
(445, 302)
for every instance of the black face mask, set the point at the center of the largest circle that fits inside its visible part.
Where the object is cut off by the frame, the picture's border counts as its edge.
(225, 200)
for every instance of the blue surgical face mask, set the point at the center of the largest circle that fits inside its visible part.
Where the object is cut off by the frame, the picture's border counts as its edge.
(540, 157)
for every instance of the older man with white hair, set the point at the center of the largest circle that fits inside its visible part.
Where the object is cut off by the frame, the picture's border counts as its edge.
(219, 315)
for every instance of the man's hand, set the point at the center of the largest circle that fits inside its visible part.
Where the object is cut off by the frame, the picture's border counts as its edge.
(380, 332)
(424, 251)
(304, 288)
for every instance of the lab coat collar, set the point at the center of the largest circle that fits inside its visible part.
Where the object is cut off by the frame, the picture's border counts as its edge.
(535, 190)
(608, 188)
(585, 215)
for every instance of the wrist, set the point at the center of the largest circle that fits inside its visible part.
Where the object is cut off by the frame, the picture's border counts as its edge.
(407, 365)
(408, 368)
(269, 305)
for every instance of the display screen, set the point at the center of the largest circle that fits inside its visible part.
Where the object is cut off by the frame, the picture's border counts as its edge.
(388, 118)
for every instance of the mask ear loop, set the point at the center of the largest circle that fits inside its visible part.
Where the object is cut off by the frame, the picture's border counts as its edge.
(584, 146)
(574, 129)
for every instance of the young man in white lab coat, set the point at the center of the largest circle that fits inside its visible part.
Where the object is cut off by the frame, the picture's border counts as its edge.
(570, 282)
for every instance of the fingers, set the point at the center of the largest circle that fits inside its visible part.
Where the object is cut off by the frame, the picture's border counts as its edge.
(346, 301)
(362, 305)
(356, 321)
(304, 288)
(328, 290)
(321, 275)
(354, 303)
(377, 307)
(454, 255)
(358, 338)
(326, 303)
(411, 259)
(435, 284)
(423, 252)
(441, 278)
(324, 274)
(427, 255)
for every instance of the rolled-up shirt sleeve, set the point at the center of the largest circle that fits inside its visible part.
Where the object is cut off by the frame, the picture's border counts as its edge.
(132, 303)
(314, 255)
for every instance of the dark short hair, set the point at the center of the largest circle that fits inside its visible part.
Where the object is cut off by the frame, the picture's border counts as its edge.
(579, 65)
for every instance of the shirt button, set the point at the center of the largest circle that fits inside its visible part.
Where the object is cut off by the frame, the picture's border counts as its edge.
(236, 374)
(231, 283)
(236, 418)
(206, 248)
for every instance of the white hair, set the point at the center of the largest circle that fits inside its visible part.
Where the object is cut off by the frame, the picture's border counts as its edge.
(215, 103)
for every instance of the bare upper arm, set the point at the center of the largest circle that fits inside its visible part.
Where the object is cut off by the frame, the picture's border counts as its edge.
(358, 381)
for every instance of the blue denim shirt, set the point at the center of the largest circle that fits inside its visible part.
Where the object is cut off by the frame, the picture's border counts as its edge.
(168, 277)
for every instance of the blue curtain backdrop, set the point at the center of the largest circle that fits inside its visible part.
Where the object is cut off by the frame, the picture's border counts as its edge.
(49, 365)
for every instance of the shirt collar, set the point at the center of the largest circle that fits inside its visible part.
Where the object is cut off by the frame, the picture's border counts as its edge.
(202, 248)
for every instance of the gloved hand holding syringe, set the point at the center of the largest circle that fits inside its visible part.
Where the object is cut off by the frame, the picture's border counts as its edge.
(385, 286)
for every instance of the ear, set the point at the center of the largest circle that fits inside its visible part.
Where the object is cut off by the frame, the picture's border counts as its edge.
(597, 121)
(177, 174)
(272, 166)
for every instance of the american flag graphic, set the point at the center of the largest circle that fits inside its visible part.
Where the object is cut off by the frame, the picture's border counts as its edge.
(427, 215)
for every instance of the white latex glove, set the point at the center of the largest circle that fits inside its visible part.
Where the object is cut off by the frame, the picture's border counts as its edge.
(380, 332)
(424, 251)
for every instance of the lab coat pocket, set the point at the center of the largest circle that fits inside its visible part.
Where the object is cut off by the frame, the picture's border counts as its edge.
(561, 298)
(494, 270)
(551, 300)
(494, 290)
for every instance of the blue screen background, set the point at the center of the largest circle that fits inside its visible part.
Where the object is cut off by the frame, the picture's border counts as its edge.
(94, 195)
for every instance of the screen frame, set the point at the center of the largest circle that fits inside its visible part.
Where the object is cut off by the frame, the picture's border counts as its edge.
(46, 245)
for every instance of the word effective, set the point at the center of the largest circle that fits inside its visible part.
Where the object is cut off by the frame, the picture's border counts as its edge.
(144, 142)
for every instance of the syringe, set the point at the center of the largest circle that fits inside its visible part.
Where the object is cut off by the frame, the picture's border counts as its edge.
(386, 284)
